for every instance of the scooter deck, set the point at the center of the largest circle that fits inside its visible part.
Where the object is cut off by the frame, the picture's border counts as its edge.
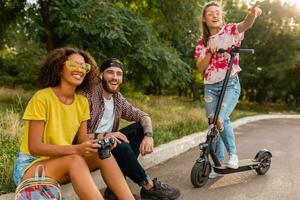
(244, 165)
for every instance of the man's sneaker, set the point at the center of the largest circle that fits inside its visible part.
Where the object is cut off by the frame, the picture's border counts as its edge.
(233, 161)
(160, 191)
(213, 174)
(109, 195)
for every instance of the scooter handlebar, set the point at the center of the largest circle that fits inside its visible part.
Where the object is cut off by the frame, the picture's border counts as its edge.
(235, 49)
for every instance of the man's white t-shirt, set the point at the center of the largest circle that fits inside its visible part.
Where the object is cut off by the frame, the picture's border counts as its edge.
(107, 121)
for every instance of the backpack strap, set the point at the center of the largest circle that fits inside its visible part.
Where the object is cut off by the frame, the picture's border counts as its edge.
(36, 174)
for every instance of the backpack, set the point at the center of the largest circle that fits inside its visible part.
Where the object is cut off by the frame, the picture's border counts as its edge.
(38, 188)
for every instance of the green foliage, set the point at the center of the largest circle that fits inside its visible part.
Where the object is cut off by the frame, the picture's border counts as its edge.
(111, 30)
(177, 22)
(20, 58)
(9, 10)
(128, 89)
(276, 56)
(20, 66)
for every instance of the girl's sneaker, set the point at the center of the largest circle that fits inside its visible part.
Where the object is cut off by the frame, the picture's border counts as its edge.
(233, 161)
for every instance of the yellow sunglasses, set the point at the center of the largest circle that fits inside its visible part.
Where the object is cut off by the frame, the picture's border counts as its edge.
(73, 65)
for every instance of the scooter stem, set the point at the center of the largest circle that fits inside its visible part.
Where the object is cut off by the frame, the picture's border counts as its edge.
(220, 100)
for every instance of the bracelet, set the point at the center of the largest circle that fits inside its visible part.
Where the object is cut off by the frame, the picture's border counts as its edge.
(148, 134)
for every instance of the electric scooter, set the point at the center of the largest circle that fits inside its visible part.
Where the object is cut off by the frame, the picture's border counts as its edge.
(202, 168)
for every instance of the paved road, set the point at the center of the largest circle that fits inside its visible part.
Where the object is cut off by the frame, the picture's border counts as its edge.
(282, 182)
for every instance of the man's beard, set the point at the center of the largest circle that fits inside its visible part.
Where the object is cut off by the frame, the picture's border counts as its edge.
(107, 89)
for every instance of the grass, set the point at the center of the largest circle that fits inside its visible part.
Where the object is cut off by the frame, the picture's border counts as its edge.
(172, 117)
(9, 147)
(12, 103)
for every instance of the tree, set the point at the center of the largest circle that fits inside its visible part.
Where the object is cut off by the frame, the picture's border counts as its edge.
(108, 30)
(276, 45)
(178, 23)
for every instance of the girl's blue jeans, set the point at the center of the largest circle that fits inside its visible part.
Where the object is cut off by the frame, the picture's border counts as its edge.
(211, 96)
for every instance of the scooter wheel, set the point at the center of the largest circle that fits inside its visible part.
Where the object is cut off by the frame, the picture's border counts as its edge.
(265, 163)
(199, 174)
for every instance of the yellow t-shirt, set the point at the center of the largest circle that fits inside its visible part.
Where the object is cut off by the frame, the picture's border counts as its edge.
(61, 121)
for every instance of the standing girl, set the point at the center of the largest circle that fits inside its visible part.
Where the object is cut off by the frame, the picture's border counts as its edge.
(55, 118)
(217, 35)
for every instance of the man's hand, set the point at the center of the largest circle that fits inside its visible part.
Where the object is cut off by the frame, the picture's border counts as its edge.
(120, 137)
(146, 146)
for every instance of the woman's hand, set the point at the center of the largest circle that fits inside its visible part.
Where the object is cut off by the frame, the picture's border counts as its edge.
(213, 49)
(88, 148)
(203, 63)
(254, 11)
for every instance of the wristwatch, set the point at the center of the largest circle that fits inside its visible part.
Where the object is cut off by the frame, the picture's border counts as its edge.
(148, 134)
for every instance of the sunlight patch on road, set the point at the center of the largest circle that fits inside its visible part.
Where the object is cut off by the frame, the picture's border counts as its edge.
(233, 179)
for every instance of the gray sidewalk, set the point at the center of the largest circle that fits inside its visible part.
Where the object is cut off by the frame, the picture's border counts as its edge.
(165, 152)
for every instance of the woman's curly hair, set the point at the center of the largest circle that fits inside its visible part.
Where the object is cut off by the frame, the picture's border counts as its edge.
(50, 72)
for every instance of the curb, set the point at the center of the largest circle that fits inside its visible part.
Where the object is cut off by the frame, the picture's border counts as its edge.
(165, 152)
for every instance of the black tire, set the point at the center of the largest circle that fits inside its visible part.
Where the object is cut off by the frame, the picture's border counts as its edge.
(265, 163)
(199, 174)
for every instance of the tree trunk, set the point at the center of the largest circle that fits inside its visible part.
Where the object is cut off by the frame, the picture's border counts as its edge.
(195, 91)
(44, 4)
(261, 96)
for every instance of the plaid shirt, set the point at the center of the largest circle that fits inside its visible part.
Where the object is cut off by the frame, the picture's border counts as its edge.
(122, 109)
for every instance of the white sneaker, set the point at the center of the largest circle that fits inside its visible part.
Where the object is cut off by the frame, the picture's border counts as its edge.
(233, 161)
(213, 174)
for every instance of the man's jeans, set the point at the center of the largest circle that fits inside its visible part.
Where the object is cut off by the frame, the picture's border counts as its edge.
(232, 93)
(127, 154)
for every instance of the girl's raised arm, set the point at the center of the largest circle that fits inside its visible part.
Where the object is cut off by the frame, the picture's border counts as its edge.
(253, 13)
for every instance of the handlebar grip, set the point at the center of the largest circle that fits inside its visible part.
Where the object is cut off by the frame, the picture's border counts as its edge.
(221, 50)
(235, 50)
(247, 51)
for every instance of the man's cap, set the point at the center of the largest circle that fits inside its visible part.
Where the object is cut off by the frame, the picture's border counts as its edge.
(112, 62)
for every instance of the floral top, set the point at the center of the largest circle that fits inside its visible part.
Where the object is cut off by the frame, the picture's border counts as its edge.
(225, 38)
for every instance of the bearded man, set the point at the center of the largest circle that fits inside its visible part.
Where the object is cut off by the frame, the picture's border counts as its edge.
(107, 107)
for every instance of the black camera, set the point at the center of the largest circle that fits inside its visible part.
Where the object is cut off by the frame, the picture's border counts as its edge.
(104, 151)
